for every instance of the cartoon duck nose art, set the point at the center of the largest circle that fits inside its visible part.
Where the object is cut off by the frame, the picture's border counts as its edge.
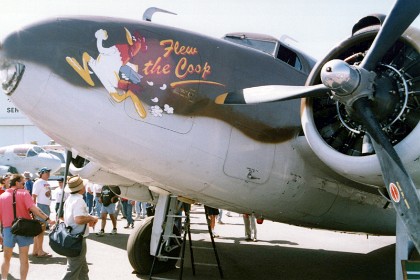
(113, 68)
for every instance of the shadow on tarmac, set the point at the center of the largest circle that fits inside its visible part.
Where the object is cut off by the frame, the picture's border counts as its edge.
(268, 262)
(280, 253)
(110, 240)
(48, 261)
(277, 258)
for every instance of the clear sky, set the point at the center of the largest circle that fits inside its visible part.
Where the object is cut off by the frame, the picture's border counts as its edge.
(316, 25)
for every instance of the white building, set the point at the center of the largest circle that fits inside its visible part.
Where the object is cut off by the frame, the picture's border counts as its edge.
(16, 128)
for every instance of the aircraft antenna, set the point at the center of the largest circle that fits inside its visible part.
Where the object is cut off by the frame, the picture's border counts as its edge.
(147, 15)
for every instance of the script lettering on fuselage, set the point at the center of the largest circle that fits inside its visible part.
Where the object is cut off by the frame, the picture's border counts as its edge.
(183, 68)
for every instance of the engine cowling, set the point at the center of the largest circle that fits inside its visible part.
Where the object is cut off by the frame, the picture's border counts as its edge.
(95, 173)
(122, 186)
(337, 137)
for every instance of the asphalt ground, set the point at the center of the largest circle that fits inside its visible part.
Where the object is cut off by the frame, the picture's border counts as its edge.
(281, 252)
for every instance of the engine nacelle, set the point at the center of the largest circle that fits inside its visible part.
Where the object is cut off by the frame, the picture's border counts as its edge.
(337, 137)
(126, 188)
(95, 173)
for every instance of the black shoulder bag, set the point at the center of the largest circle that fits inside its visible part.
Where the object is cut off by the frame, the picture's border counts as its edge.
(22, 226)
(62, 241)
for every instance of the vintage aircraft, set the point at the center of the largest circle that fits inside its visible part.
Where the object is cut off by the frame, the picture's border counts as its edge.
(153, 109)
(26, 157)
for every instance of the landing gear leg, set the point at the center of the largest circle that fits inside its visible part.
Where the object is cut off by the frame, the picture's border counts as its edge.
(139, 248)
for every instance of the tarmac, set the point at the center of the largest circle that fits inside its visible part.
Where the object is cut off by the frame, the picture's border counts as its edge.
(281, 252)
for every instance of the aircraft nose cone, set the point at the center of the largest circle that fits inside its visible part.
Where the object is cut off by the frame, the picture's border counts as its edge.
(51, 162)
(10, 75)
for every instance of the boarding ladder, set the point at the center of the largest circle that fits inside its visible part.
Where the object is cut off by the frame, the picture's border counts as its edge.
(186, 234)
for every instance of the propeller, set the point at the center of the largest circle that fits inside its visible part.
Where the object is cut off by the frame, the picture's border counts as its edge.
(401, 16)
(400, 186)
(353, 86)
(272, 93)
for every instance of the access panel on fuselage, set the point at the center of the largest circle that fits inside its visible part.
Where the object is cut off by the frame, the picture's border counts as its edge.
(247, 159)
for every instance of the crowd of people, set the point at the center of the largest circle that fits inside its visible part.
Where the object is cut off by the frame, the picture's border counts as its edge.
(79, 204)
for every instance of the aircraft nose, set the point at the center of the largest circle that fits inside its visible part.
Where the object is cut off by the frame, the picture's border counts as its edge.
(51, 162)
(11, 72)
(23, 76)
(10, 75)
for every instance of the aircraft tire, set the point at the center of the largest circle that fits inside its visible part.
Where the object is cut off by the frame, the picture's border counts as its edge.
(138, 250)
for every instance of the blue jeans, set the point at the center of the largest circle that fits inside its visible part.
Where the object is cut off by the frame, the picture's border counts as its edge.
(89, 201)
(129, 212)
(138, 208)
(98, 206)
(124, 207)
(144, 206)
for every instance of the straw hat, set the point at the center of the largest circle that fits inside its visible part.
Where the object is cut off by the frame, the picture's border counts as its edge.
(74, 184)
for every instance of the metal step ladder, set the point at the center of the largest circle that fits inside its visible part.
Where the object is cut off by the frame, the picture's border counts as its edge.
(193, 263)
(186, 234)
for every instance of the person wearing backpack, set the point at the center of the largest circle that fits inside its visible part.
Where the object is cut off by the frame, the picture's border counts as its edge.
(108, 200)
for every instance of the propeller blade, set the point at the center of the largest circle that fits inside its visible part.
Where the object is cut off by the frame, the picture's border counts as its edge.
(270, 93)
(399, 19)
(399, 184)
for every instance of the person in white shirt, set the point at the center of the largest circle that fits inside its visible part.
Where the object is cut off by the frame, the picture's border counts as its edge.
(41, 194)
(77, 217)
(59, 196)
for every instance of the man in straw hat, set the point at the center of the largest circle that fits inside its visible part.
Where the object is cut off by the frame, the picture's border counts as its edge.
(77, 216)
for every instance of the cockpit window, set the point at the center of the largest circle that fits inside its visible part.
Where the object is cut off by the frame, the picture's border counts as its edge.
(262, 45)
(290, 57)
(39, 150)
(268, 45)
(31, 153)
(35, 150)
